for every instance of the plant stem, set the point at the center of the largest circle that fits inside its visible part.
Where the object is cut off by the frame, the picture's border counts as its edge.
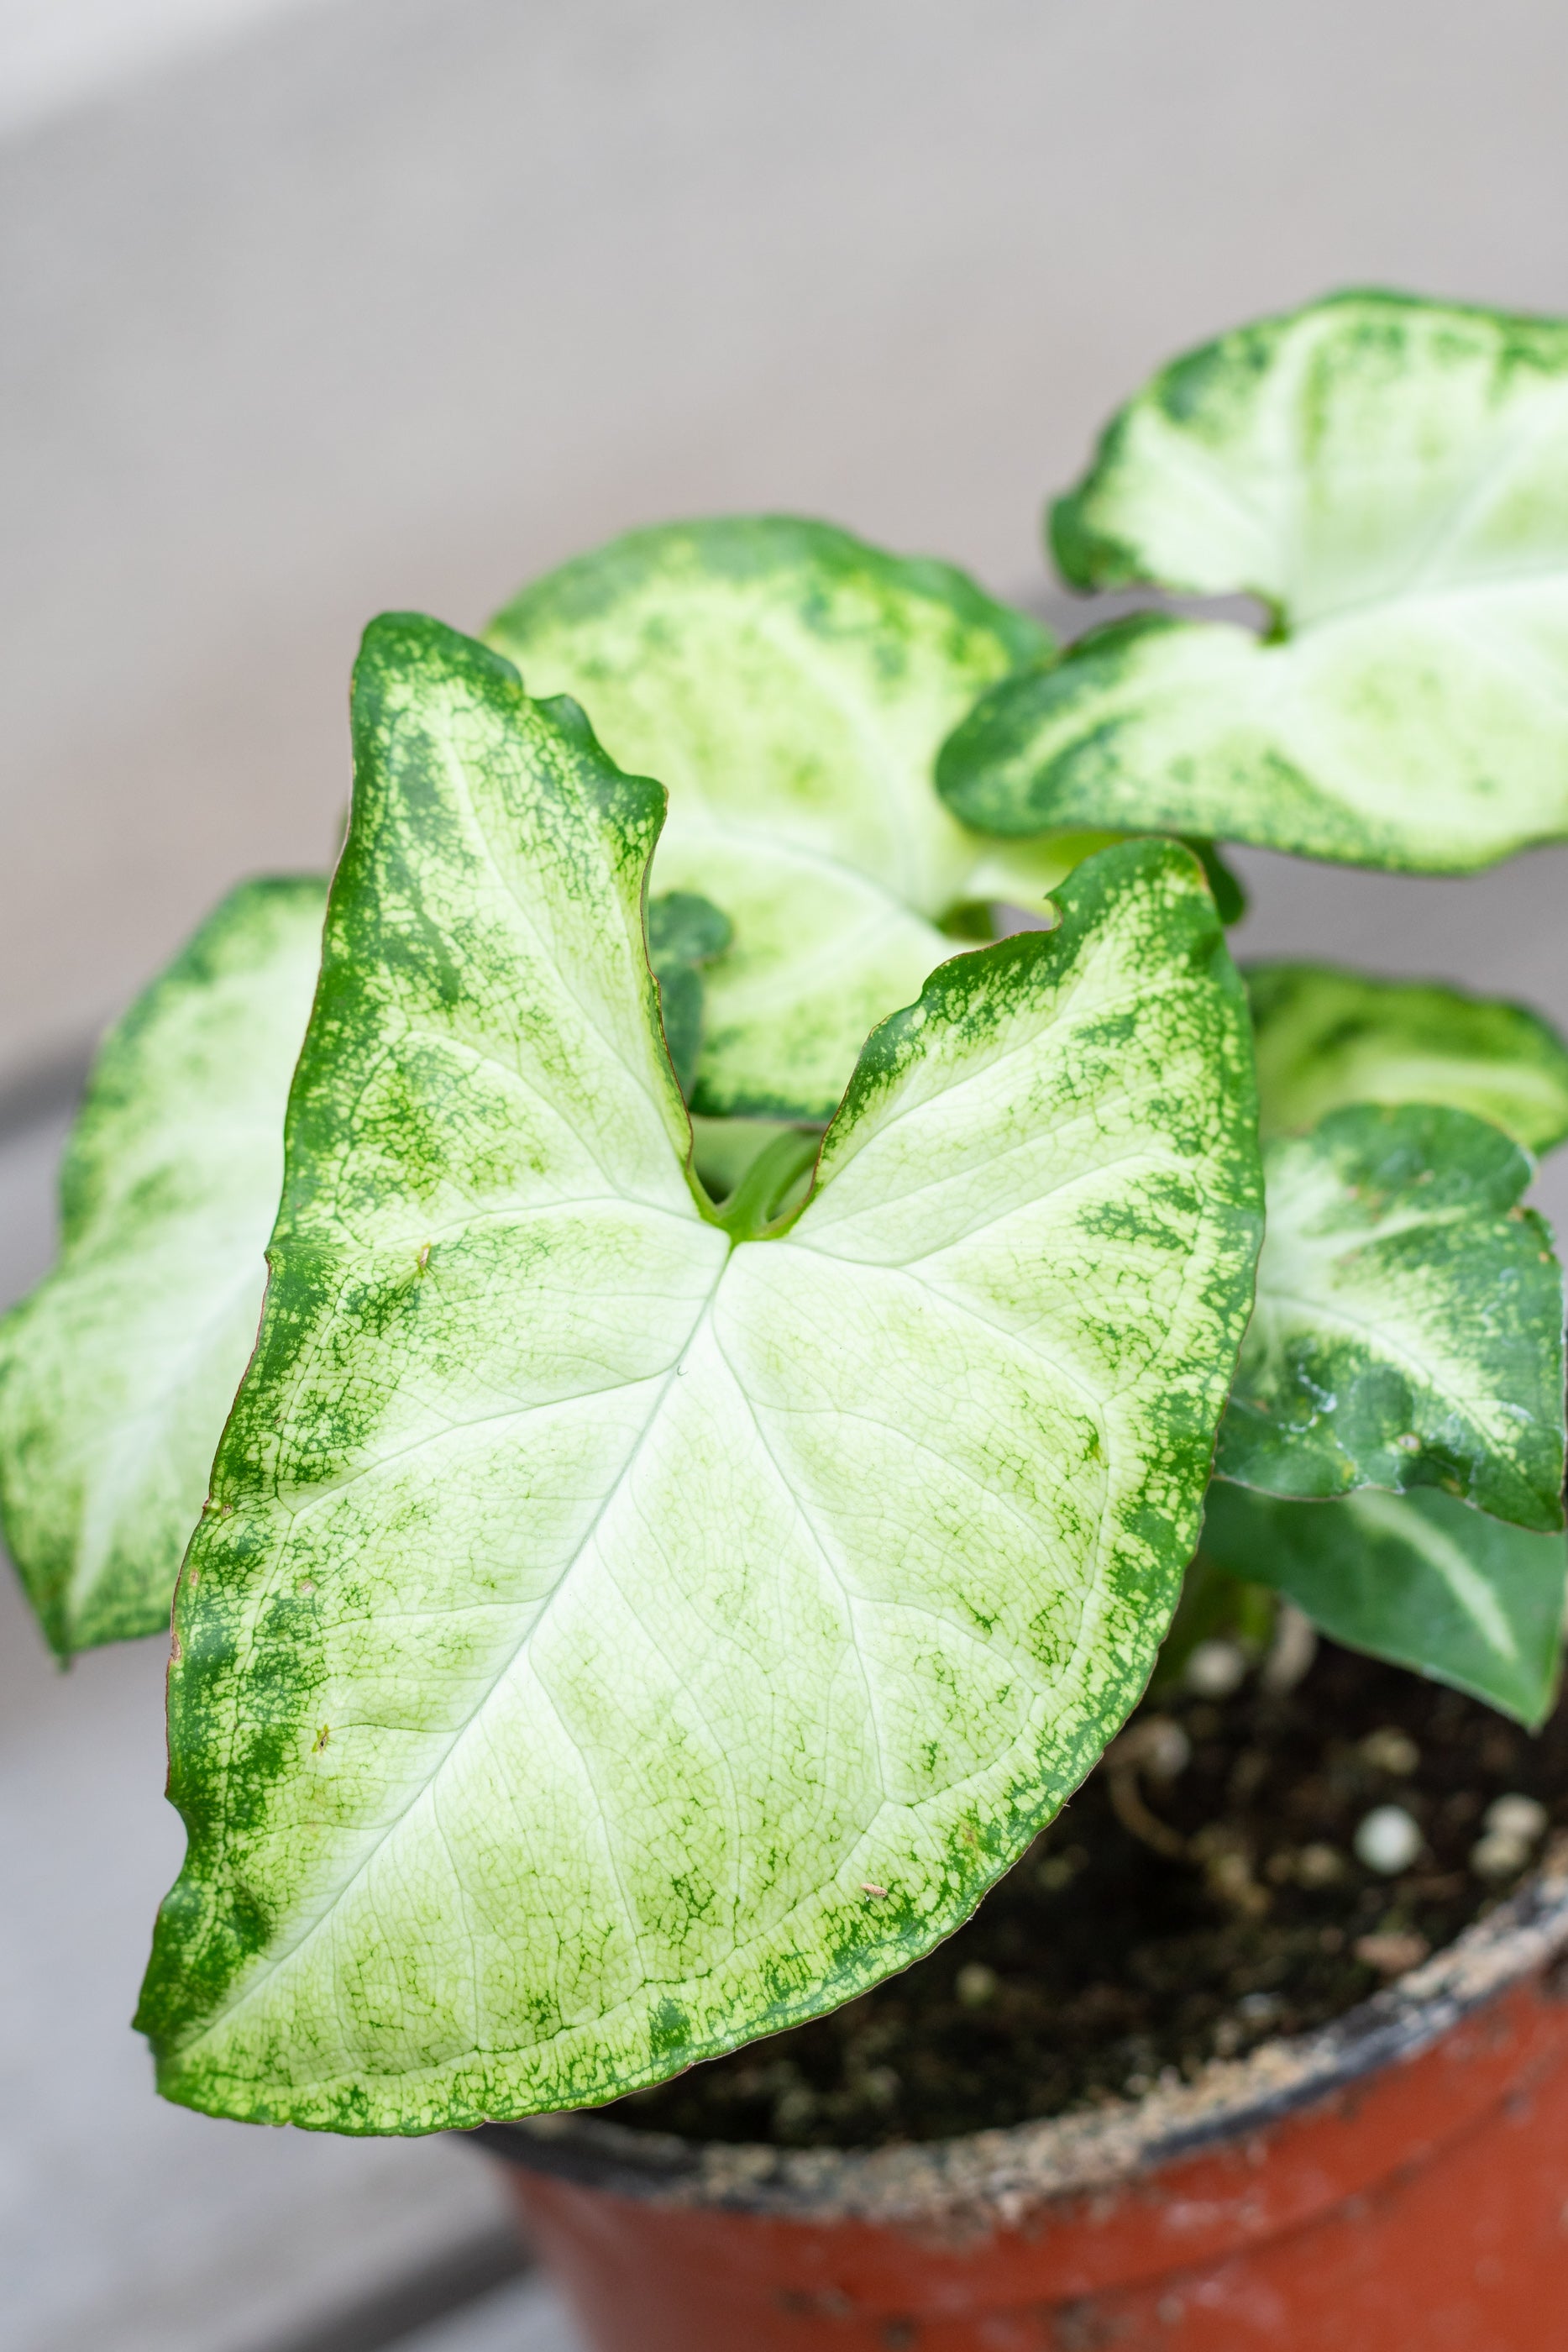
(758, 1201)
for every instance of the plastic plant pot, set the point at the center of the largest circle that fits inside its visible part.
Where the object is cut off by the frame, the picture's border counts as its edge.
(1398, 2178)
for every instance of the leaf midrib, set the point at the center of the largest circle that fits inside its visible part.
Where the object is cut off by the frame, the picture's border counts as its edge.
(275, 1960)
(253, 1984)
(1394, 1518)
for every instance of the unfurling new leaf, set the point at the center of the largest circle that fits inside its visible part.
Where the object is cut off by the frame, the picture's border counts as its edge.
(684, 932)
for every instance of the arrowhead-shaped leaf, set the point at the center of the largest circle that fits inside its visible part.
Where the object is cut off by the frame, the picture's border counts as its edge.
(1419, 1579)
(1391, 478)
(1325, 1037)
(789, 685)
(1409, 1327)
(610, 1639)
(117, 1373)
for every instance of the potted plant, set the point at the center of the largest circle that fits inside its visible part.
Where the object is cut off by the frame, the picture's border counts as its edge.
(757, 1372)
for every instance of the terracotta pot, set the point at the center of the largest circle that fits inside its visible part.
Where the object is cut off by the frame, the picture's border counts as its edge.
(1396, 2182)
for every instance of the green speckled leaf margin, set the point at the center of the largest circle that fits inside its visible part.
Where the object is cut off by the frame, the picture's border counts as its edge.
(1325, 1037)
(1409, 1328)
(1391, 478)
(117, 1373)
(606, 1644)
(1418, 1579)
(789, 685)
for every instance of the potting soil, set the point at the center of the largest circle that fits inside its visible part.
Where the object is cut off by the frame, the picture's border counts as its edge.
(1209, 1888)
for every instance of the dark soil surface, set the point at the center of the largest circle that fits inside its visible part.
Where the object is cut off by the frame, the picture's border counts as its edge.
(1162, 1921)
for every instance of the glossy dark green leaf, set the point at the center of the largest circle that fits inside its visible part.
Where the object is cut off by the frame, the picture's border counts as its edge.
(1418, 1579)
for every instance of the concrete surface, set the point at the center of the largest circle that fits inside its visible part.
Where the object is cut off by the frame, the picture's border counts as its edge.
(54, 53)
(527, 2318)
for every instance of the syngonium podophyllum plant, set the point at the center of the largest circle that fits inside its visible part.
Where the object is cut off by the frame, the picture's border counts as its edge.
(748, 1355)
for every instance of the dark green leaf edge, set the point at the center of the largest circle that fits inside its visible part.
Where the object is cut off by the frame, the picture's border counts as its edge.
(1446, 1019)
(951, 991)
(1366, 1589)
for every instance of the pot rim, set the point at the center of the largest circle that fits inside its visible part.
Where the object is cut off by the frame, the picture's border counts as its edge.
(1011, 2167)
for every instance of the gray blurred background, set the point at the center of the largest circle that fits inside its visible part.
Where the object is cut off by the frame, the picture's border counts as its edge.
(314, 307)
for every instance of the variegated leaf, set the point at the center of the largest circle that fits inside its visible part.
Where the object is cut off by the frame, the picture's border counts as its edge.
(1408, 1325)
(116, 1374)
(618, 1631)
(789, 685)
(1391, 478)
(1325, 1037)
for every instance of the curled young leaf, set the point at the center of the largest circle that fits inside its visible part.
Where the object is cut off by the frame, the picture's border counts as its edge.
(116, 1374)
(594, 1603)
(789, 685)
(1325, 1037)
(1390, 477)
(723, 1150)
(1409, 1325)
(684, 932)
(1418, 1579)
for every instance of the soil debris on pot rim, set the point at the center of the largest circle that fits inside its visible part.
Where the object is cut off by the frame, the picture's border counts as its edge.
(1213, 1884)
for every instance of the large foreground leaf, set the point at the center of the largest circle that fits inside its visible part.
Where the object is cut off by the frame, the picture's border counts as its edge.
(1391, 477)
(608, 1641)
(1325, 1037)
(1419, 1579)
(117, 1373)
(1408, 1328)
(789, 685)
